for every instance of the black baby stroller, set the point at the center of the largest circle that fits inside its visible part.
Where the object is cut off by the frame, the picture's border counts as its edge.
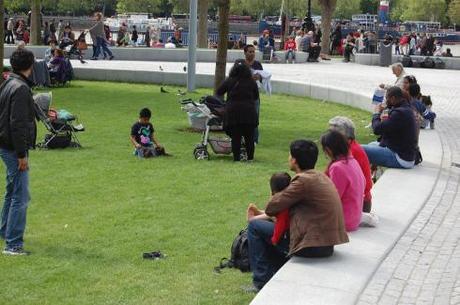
(61, 131)
(213, 110)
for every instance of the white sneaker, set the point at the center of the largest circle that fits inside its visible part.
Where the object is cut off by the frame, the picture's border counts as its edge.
(369, 220)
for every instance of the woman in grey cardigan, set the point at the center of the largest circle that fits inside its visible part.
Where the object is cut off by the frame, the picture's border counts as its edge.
(97, 31)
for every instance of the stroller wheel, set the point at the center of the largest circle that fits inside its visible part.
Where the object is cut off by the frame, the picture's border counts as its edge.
(201, 154)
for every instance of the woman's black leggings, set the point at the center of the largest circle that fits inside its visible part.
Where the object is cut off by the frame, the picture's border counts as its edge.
(246, 132)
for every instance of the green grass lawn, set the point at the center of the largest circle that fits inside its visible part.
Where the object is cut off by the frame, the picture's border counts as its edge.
(95, 210)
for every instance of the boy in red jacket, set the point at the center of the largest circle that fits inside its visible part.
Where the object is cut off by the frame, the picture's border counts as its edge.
(290, 47)
(278, 182)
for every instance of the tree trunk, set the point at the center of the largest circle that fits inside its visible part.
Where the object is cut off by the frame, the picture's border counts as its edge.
(221, 58)
(203, 23)
(35, 26)
(327, 8)
(2, 36)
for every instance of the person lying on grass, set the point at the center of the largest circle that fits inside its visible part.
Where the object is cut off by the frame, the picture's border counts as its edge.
(143, 137)
(278, 182)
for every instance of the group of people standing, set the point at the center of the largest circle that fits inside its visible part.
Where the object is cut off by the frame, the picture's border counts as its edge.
(423, 44)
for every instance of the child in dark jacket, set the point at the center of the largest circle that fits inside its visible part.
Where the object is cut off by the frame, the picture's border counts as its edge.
(424, 112)
(278, 182)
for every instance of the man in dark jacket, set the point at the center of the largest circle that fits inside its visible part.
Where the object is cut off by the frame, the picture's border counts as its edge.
(398, 131)
(17, 135)
(315, 212)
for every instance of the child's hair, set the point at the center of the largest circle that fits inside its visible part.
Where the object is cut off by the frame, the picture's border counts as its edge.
(336, 142)
(414, 90)
(145, 113)
(279, 182)
(426, 100)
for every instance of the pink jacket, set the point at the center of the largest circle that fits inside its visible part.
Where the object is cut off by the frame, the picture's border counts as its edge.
(349, 180)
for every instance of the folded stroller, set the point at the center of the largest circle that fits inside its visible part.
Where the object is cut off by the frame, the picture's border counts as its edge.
(59, 124)
(213, 110)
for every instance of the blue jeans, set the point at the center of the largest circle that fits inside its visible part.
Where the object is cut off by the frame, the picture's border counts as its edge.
(16, 201)
(381, 156)
(265, 259)
(101, 44)
(256, 132)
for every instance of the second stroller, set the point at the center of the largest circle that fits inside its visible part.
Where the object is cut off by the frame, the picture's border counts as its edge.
(213, 109)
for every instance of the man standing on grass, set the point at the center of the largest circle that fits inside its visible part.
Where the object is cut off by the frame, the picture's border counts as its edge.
(17, 135)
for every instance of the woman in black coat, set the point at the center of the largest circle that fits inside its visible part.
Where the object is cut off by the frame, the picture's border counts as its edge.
(241, 116)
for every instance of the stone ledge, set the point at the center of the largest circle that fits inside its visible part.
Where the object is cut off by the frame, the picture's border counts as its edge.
(159, 54)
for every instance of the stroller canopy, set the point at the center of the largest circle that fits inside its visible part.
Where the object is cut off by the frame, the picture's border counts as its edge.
(42, 105)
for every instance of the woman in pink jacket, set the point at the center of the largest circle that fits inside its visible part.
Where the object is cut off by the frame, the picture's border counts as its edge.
(347, 176)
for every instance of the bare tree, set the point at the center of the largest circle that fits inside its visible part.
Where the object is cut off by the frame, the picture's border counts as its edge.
(203, 23)
(35, 26)
(221, 58)
(327, 9)
(2, 35)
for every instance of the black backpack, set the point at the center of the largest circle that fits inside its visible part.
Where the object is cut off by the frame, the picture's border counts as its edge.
(428, 63)
(407, 61)
(239, 254)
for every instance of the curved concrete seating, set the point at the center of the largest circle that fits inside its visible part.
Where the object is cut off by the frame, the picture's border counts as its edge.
(452, 63)
(398, 197)
(154, 54)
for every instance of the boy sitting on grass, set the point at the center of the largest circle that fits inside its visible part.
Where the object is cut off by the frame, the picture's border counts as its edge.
(278, 182)
(143, 137)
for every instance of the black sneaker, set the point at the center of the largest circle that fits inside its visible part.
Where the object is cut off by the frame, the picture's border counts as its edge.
(16, 251)
(111, 57)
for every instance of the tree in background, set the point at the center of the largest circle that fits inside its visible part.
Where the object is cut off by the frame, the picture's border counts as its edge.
(221, 57)
(424, 10)
(203, 6)
(369, 6)
(346, 8)
(328, 8)
(454, 11)
(35, 24)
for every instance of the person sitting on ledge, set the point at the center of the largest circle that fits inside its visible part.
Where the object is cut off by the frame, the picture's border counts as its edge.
(308, 45)
(448, 53)
(345, 126)
(315, 212)
(397, 129)
(278, 182)
(398, 71)
(347, 176)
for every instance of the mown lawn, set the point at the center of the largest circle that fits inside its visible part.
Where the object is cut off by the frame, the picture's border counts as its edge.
(95, 210)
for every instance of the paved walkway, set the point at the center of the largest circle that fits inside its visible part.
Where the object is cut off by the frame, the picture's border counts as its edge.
(423, 267)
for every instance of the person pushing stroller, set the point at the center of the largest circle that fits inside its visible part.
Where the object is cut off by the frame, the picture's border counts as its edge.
(143, 137)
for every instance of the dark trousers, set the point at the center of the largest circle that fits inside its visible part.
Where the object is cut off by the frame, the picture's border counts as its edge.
(9, 38)
(266, 259)
(347, 52)
(242, 131)
(313, 53)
